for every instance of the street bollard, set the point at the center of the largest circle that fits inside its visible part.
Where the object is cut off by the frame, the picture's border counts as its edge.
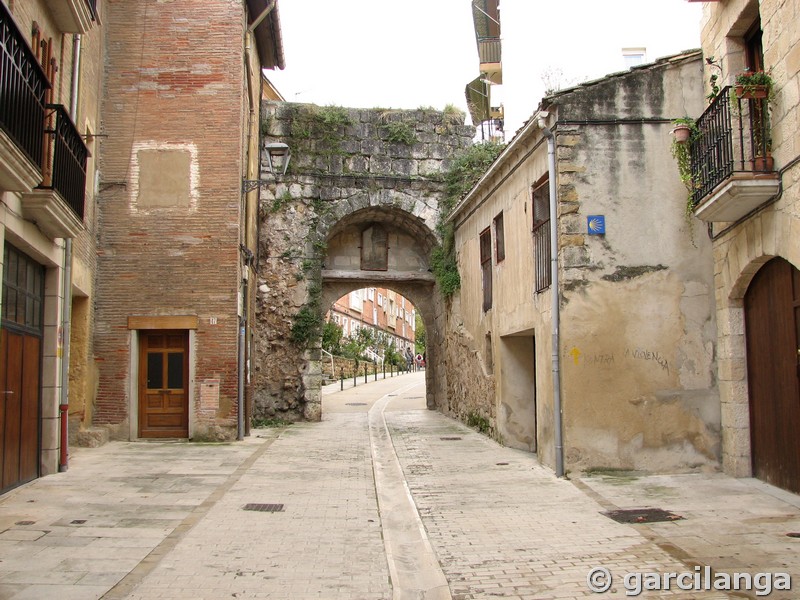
(365, 373)
(375, 370)
(355, 377)
(384, 369)
(341, 380)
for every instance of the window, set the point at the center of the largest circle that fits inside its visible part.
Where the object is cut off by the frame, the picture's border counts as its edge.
(634, 56)
(380, 299)
(486, 267)
(357, 300)
(23, 291)
(499, 239)
(540, 197)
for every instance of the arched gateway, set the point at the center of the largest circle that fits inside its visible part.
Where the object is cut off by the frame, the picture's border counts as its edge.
(357, 208)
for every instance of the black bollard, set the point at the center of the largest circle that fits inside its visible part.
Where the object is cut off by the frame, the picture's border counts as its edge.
(365, 373)
(341, 380)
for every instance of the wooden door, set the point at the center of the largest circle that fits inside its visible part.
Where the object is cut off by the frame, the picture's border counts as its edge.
(21, 330)
(164, 384)
(19, 408)
(772, 319)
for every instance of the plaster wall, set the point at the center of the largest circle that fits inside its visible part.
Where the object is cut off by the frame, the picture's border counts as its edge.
(637, 347)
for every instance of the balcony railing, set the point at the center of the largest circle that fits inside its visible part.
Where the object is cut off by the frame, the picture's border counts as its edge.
(22, 90)
(734, 137)
(489, 50)
(66, 155)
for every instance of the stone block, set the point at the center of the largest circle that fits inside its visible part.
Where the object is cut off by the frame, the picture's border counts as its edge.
(92, 437)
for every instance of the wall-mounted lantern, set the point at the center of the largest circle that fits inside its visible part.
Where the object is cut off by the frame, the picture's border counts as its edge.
(278, 156)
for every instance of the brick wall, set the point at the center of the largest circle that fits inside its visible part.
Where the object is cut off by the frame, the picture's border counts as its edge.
(174, 85)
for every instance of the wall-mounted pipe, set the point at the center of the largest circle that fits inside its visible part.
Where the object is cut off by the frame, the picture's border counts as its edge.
(554, 293)
(63, 405)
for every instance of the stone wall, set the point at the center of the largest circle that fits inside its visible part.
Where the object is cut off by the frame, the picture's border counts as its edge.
(349, 169)
(741, 249)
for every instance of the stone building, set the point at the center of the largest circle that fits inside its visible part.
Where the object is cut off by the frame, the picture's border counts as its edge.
(49, 113)
(357, 208)
(177, 211)
(621, 334)
(753, 214)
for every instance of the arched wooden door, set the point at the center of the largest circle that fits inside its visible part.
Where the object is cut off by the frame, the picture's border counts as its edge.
(772, 327)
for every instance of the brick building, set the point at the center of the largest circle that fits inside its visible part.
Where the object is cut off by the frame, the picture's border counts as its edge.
(178, 214)
(380, 309)
(129, 160)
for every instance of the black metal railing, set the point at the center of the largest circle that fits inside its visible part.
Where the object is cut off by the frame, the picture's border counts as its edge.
(733, 137)
(66, 155)
(93, 7)
(23, 84)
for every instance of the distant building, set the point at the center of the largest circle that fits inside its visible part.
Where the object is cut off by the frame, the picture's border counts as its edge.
(380, 309)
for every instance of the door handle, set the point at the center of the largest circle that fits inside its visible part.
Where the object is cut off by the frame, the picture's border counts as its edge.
(10, 392)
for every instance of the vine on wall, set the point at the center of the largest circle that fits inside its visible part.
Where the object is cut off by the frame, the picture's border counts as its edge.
(466, 170)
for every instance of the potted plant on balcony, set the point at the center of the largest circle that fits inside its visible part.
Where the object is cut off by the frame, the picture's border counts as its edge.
(753, 85)
(685, 132)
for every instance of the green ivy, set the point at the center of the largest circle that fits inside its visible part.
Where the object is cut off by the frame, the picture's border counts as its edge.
(466, 170)
(399, 132)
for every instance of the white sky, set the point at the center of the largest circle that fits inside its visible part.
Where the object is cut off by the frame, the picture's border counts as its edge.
(413, 53)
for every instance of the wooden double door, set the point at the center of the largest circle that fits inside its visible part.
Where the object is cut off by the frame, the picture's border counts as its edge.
(21, 332)
(772, 320)
(164, 384)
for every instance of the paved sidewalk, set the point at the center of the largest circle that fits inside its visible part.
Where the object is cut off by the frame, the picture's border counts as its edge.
(166, 519)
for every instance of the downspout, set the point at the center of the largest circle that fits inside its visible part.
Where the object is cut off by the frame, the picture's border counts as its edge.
(554, 293)
(244, 290)
(63, 407)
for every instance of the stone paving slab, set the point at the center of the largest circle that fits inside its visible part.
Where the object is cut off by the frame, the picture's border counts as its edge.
(166, 520)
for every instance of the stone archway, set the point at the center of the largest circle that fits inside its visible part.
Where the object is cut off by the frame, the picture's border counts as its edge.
(409, 242)
(350, 184)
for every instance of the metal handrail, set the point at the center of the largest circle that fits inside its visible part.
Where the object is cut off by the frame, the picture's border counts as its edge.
(65, 169)
(23, 85)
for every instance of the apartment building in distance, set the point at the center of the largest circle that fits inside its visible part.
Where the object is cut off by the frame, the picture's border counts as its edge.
(380, 309)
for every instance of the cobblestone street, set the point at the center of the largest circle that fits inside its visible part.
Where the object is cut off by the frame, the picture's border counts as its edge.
(382, 499)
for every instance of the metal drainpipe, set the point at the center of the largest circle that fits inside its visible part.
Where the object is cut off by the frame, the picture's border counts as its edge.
(554, 304)
(63, 407)
(240, 423)
(240, 399)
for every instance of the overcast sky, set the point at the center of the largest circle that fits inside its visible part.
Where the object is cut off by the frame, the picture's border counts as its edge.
(413, 53)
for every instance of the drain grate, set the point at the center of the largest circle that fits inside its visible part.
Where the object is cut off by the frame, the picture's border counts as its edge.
(263, 507)
(449, 439)
(355, 403)
(793, 534)
(25, 523)
(77, 522)
(642, 515)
